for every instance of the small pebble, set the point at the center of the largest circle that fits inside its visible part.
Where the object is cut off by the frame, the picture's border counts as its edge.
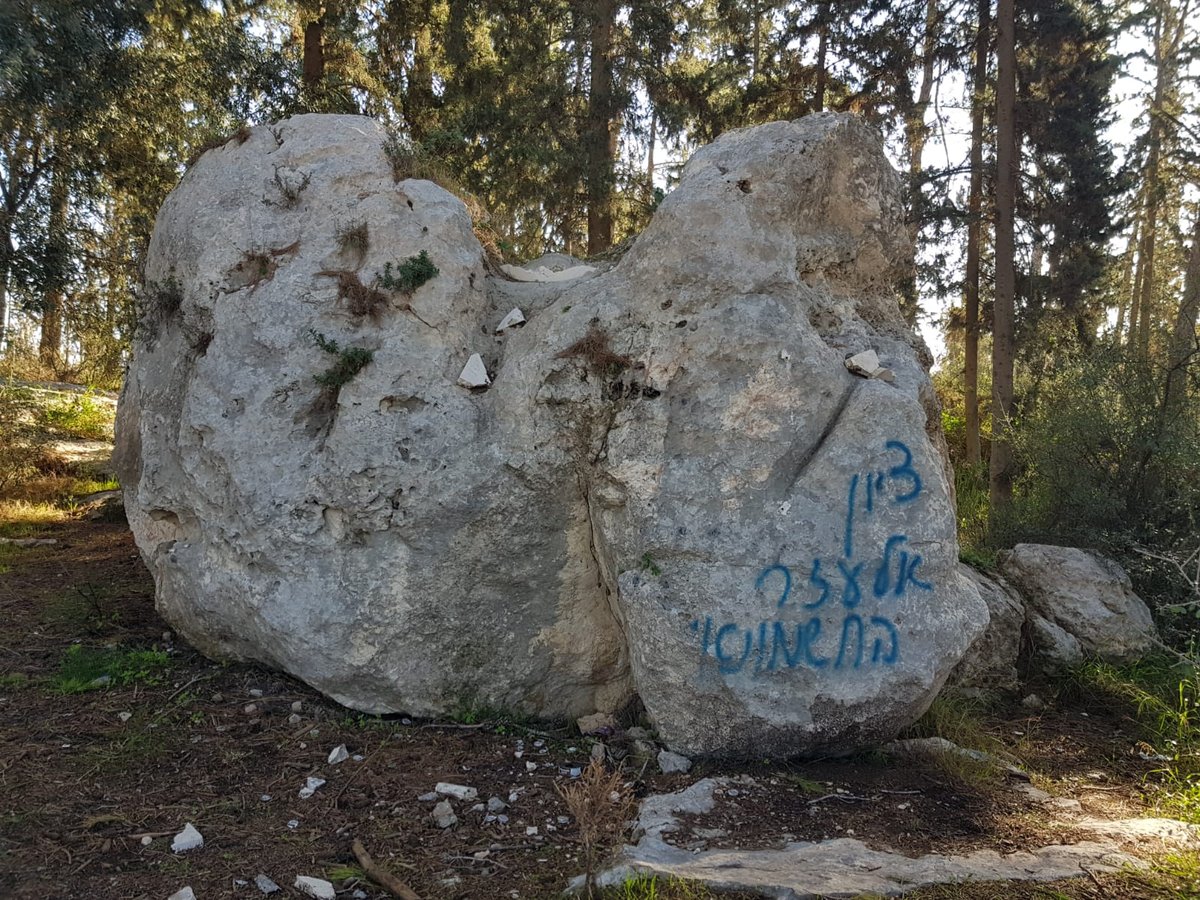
(256, 692)
(188, 839)
(297, 705)
(250, 709)
(124, 716)
(338, 754)
(147, 841)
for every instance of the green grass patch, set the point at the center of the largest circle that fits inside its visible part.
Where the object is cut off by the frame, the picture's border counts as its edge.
(81, 416)
(652, 887)
(1163, 693)
(14, 681)
(84, 668)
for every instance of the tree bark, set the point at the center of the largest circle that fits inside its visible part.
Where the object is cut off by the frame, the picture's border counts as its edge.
(50, 345)
(6, 249)
(1000, 471)
(974, 237)
(1182, 349)
(822, 52)
(601, 131)
(314, 53)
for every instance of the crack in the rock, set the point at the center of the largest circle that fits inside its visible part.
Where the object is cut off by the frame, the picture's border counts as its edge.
(796, 460)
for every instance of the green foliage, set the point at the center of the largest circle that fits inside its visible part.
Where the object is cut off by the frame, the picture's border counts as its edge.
(647, 564)
(349, 362)
(24, 441)
(82, 667)
(1100, 460)
(80, 416)
(1163, 692)
(409, 275)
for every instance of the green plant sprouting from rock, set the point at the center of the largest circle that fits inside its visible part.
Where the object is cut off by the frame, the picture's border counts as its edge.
(350, 361)
(409, 275)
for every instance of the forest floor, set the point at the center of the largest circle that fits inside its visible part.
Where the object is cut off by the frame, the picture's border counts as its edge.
(114, 735)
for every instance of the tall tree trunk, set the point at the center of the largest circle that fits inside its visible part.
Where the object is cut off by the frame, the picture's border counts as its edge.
(756, 38)
(6, 250)
(52, 299)
(601, 129)
(650, 154)
(975, 235)
(822, 54)
(1182, 349)
(1003, 327)
(1124, 299)
(314, 54)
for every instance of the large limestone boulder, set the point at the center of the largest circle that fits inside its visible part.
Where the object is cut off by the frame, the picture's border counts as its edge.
(1081, 603)
(672, 486)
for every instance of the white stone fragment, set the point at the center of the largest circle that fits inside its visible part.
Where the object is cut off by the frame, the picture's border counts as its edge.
(188, 839)
(673, 763)
(514, 318)
(865, 363)
(474, 373)
(265, 884)
(124, 716)
(457, 791)
(443, 815)
(544, 274)
(185, 893)
(315, 887)
(338, 754)
(310, 787)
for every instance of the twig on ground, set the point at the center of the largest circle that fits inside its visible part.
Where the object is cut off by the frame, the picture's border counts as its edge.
(845, 798)
(381, 877)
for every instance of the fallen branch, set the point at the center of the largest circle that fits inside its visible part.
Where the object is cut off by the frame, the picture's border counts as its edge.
(381, 877)
(845, 798)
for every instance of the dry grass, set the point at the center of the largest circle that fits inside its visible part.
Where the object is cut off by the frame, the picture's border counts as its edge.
(354, 240)
(241, 136)
(362, 301)
(602, 806)
(595, 348)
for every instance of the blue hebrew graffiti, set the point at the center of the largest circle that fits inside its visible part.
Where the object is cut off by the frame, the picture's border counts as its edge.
(832, 638)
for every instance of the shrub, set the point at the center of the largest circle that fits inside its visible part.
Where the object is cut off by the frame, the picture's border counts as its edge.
(24, 443)
(80, 416)
(349, 362)
(409, 275)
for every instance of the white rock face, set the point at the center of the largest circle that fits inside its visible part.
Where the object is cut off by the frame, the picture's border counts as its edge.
(1082, 595)
(673, 484)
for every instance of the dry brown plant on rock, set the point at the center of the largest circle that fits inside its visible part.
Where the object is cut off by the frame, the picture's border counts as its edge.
(601, 805)
(595, 349)
(362, 301)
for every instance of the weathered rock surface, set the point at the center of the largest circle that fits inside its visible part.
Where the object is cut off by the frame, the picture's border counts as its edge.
(844, 867)
(991, 661)
(1081, 602)
(673, 484)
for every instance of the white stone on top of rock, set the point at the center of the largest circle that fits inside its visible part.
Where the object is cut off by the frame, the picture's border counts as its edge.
(456, 791)
(419, 544)
(265, 884)
(474, 373)
(443, 815)
(991, 661)
(315, 887)
(673, 763)
(184, 893)
(188, 839)
(338, 754)
(311, 785)
(514, 318)
(1085, 594)
(544, 274)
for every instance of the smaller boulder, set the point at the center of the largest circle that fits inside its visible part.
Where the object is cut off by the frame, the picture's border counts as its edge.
(991, 661)
(1055, 650)
(1084, 594)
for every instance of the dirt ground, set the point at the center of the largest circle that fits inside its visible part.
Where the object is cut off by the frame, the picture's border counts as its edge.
(94, 784)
